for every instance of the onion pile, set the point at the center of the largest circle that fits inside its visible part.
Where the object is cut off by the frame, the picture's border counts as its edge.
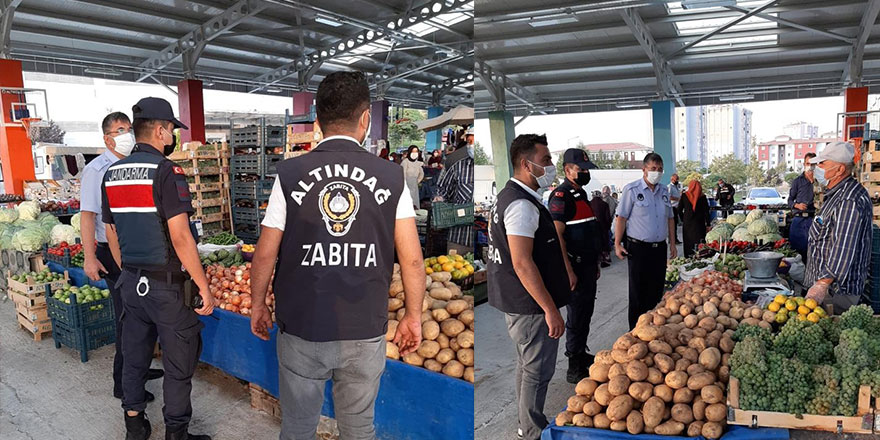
(447, 326)
(231, 289)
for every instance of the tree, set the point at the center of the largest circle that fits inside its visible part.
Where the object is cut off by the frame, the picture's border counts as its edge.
(480, 156)
(755, 175)
(53, 134)
(685, 168)
(403, 132)
(620, 163)
(731, 169)
(789, 177)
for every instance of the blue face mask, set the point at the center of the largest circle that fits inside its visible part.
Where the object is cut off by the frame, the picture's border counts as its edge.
(819, 175)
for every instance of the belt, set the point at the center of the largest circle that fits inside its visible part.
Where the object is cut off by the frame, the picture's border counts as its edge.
(646, 243)
(102, 244)
(160, 275)
(804, 214)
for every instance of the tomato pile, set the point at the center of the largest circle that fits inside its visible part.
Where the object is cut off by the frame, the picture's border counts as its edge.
(742, 247)
(231, 289)
(59, 249)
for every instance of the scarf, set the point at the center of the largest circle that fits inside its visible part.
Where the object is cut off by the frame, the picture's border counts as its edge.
(694, 192)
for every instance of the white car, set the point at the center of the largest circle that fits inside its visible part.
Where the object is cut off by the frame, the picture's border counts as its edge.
(763, 197)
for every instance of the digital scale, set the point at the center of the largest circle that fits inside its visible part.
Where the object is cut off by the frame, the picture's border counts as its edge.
(752, 284)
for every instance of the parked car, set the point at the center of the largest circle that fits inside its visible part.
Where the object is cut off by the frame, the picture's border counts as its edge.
(763, 197)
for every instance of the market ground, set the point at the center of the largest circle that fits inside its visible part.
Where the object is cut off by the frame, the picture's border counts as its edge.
(49, 394)
(495, 415)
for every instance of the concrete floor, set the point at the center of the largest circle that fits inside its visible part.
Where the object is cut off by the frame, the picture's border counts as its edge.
(49, 394)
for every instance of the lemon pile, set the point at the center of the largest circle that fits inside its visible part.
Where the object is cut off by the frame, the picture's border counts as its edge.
(786, 307)
(454, 264)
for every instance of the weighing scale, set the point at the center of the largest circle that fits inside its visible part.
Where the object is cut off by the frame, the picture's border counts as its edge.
(752, 284)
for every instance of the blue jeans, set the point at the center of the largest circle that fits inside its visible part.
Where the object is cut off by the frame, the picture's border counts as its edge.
(799, 233)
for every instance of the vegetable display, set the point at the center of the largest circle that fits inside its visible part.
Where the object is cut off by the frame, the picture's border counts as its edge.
(84, 294)
(8, 215)
(42, 277)
(668, 375)
(733, 265)
(231, 289)
(223, 257)
(28, 210)
(62, 233)
(74, 221)
(58, 250)
(458, 266)
(447, 326)
(222, 239)
(29, 239)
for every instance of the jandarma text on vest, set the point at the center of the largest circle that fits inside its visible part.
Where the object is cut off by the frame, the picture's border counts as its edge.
(340, 171)
(339, 254)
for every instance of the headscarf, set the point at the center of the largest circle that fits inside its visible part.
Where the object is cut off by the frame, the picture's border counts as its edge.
(694, 192)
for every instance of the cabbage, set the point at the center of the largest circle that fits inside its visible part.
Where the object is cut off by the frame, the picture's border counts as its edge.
(742, 234)
(754, 215)
(29, 239)
(726, 226)
(8, 215)
(28, 210)
(74, 221)
(769, 238)
(6, 236)
(736, 219)
(48, 221)
(62, 233)
(23, 223)
(718, 234)
(762, 226)
(743, 225)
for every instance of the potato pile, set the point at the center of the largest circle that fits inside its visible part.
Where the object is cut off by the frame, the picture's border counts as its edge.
(669, 374)
(447, 326)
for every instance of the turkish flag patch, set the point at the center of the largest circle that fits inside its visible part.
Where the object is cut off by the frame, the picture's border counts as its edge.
(559, 194)
(178, 170)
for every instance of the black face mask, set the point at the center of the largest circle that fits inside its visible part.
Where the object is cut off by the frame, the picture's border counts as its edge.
(170, 148)
(583, 178)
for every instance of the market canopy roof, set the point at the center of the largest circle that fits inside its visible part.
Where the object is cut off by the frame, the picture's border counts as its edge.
(570, 56)
(461, 115)
(417, 52)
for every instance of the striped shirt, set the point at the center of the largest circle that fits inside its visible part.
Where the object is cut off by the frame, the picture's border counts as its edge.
(457, 186)
(840, 239)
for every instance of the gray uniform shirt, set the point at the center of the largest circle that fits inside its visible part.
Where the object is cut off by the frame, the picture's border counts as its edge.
(647, 212)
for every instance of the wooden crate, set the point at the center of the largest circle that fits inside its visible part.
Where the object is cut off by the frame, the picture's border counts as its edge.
(263, 401)
(306, 137)
(31, 287)
(862, 423)
(29, 300)
(33, 314)
(38, 329)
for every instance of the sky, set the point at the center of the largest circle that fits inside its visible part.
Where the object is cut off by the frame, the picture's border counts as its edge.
(768, 119)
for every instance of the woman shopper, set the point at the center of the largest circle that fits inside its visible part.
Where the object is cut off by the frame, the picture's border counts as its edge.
(413, 172)
(694, 216)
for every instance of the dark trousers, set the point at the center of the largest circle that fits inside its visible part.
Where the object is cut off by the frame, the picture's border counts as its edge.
(160, 312)
(647, 274)
(102, 252)
(580, 308)
(727, 211)
(799, 233)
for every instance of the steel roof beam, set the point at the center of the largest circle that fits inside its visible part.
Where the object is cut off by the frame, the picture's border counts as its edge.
(792, 24)
(666, 83)
(372, 33)
(195, 40)
(722, 28)
(440, 89)
(6, 13)
(852, 70)
(493, 79)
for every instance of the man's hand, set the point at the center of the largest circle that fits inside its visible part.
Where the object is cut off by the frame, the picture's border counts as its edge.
(261, 321)
(673, 251)
(93, 268)
(620, 251)
(801, 206)
(818, 291)
(207, 303)
(409, 334)
(572, 278)
(555, 323)
(598, 272)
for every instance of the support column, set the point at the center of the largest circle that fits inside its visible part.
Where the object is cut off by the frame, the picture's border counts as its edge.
(379, 128)
(855, 99)
(433, 138)
(16, 153)
(663, 117)
(192, 110)
(502, 132)
(302, 104)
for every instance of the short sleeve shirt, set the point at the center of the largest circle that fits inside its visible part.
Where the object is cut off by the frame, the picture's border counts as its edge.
(90, 190)
(674, 192)
(521, 217)
(646, 212)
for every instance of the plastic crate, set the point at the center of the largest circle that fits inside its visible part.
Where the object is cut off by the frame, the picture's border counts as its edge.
(84, 339)
(271, 162)
(246, 164)
(257, 190)
(271, 136)
(79, 315)
(447, 215)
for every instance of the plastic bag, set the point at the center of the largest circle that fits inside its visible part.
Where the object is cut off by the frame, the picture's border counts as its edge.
(205, 249)
(798, 268)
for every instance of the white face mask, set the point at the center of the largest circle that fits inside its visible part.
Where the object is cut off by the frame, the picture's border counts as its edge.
(548, 178)
(413, 156)
(124, 143)
(654, 177)
(367, 133)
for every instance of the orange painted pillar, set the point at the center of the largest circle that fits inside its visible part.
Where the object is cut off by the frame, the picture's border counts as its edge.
(16, 153)
(192, 110)
(855, 99)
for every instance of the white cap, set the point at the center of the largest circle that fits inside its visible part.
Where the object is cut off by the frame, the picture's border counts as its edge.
(842, 152)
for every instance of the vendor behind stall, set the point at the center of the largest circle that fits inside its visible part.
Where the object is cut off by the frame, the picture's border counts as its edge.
(840, 237)
(800, 200)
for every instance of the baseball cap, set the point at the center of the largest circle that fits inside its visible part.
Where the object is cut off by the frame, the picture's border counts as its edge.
(576, 156)
(156, 108)
(842, 152)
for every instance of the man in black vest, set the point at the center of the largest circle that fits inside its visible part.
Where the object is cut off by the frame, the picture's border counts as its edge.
(527, 277)
(334, 220)
(146, 206)
(579, 234)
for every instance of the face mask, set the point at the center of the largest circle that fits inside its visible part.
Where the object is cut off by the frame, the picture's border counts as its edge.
(583, 178)
(819, 175)
(124, 143)
(169, 148)
(413, 156)
(548, 178)
(471, 151)
(654, 177)
(369, 128)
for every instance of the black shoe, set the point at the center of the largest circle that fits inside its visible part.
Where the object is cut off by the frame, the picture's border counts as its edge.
(179, 432)
(155, 373)
(578, 368)
(137, 427)
(148, 396)
(604, 264)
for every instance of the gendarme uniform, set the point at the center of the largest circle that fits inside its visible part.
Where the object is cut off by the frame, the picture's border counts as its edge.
(337, 207)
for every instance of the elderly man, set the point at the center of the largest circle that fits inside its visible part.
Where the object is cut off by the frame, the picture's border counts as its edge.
(840, 237)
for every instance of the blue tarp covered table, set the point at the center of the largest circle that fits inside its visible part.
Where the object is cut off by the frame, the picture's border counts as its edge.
(413, 403)
(733, 433)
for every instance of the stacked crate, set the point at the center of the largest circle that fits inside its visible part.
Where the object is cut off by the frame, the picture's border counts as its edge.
(81, 326)
(303, 142)
(207, 171)
(29, 298)
(868, 171)
(252, 175)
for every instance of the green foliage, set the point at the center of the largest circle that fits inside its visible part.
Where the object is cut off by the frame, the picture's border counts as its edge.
(789, 177)
(52, 134)
(403, 132)
(730, 168)
(480, 156)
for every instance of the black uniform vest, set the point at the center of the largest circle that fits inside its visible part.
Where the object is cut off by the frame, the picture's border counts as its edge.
(143, 235)
(506, 292)
(582, 231)
(337, 250)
